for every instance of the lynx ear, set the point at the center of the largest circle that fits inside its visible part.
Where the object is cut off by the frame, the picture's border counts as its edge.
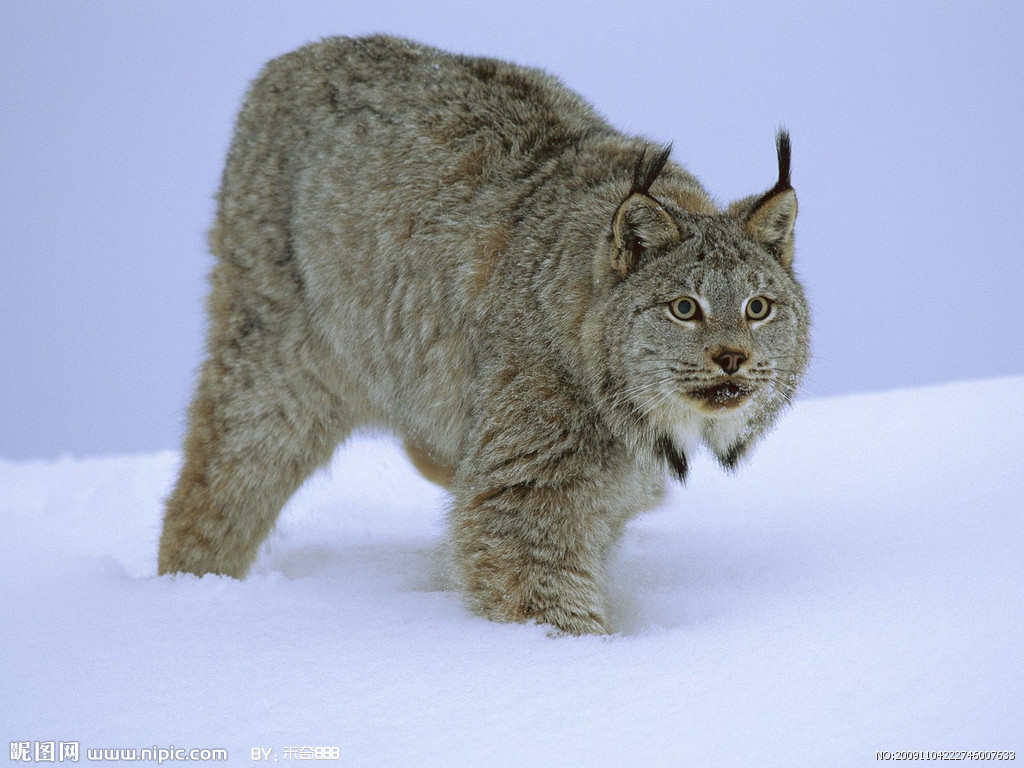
(770, 218)
(641, 223)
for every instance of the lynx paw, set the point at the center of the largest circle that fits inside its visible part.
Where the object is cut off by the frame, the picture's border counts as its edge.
(561, 613)
(574, 625)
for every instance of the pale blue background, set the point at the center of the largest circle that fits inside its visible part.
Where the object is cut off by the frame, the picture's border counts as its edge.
(907, 122)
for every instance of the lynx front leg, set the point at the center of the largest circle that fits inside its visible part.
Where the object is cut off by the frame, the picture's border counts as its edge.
(536, 508)
(527, 554)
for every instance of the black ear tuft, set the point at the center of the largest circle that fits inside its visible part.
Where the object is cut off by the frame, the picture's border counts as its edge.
(647, 169)
(770, 218)
(785, 151)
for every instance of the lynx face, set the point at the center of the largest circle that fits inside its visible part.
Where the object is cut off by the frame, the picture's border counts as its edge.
(715, 341)
(708, 323)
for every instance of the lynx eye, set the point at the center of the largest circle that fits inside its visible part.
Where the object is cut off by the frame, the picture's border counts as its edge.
(758, 308)
(684, 308)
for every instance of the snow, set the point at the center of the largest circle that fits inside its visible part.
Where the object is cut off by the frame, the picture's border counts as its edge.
(855, 587)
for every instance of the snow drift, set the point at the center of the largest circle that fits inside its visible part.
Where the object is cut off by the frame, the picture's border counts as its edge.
(856, 587)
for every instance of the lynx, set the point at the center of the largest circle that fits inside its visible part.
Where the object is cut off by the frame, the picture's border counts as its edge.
(548, 313)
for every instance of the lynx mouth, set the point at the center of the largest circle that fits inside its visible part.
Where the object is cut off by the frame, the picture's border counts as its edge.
(721, 396)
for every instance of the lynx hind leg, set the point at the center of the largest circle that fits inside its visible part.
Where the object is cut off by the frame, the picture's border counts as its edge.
(532, 523)
(266, 411)
(261, 421)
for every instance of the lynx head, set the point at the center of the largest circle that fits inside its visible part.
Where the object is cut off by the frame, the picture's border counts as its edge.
(705, 325)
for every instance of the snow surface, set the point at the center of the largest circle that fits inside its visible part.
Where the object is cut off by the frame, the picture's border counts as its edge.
(855, 587)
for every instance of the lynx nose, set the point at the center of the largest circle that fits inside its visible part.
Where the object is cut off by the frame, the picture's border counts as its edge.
(730, 360)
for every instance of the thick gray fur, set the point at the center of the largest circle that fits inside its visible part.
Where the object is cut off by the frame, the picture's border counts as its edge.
(462, 251)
